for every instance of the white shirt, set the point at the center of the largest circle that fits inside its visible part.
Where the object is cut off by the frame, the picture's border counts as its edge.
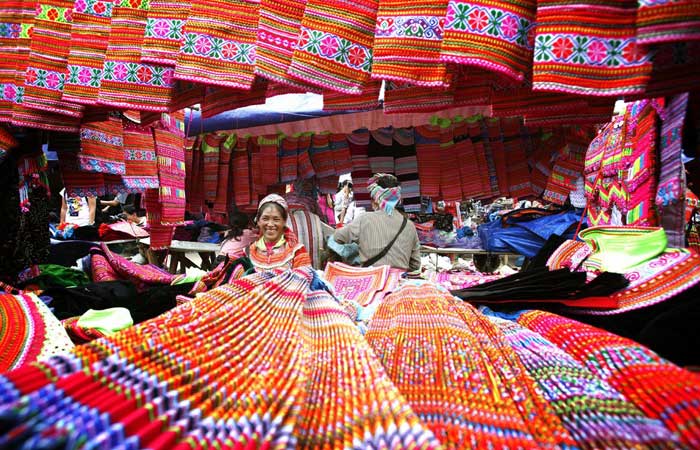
(77, 209)
(347, 202)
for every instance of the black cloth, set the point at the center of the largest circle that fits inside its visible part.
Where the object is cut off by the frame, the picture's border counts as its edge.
(66, 253)
(71, 302)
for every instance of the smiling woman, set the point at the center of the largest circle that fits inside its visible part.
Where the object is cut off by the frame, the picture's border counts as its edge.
(278, 247)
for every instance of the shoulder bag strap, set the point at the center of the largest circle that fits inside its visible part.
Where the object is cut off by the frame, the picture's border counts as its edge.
(383, 253)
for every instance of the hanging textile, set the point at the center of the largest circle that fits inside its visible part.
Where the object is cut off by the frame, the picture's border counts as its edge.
(440, 351)
(210, 164)
(102, 147)
(305, 168)
(224, 199)
(639, 160)
(77, 182)
(278, 34)
(428, 156)
(358, 141)
(367, 100)
(322, 155)
(218, 47)
(338, 59)
(342, 160)
(670, 196)
(406, 168)
(170, 152)
(139, 157)
(16, 22)
(126, 81)
(493, 36)
(676, 69)
(241, 173)
(450, 189)
(86, 52)
(577, 400)
(665, 384)
(161, 235)
(601, 58)
(48, 59)
(479, 136)
(407, 41)
(221, 99)
(288, 158)
(514, 148)
(256, 169)
(194, 189)
(401, 97)
(495, 143)
(269, 154)
(7, 143)
(467, 162)
(164, 31)
(663, 22)
(380, 151)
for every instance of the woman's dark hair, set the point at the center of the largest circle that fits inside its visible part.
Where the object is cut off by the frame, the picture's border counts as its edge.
(387, 181)
(129, 209)
(282, 211)
(238, 221)
(344, 183)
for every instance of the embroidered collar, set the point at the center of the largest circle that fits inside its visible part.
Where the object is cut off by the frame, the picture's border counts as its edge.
(260, 244)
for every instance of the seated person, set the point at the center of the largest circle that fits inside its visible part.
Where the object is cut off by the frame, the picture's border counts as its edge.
(384, 236)
(277, 247)
(77, 210)
(129, 215)
(239, 235)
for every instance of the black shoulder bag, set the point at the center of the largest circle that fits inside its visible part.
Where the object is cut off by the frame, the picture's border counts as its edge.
(386, 249)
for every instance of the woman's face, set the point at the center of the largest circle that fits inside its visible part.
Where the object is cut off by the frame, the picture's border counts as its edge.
(271, 223)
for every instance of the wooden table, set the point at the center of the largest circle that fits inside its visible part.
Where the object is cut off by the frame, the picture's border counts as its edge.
(179, 249)
(454, 252)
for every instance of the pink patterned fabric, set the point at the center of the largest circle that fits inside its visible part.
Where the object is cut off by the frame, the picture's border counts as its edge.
(363, 285)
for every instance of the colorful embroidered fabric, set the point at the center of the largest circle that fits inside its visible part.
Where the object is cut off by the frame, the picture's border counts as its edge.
(76, 181)
(102, 147)
(16, 22)
(659, 21)
(566, 170)
(479, 135)
(161, 235)
(291, 256)
(407, 41)
(305, 168)
(164, 31)
(143, 276)
(29, 332)
(48, 59)
(406, 168)
(494, 36)
(288, 159)
(670, 196)
(210, 149)
(458, 373)
(139, 157)
(218, 46)
(669, 394)
(126, 81)
(309, 230)
(88, 46)
(588, 47)
(495, 143)
(80, 335)
(278, 33)
(596, 414)
(219, 99)
(321, 155)
(428, 156)
(170, 153)
(367, 100)
(450, 189)
(147, 411)
(337, 59)
(357, 284)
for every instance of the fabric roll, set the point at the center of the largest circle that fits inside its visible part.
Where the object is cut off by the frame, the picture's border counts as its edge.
(218, 47)
(601, 58)
(494, 36)
(407, 42)
(126, 81)
(164, 31)
(339, 59)
(88, 45)
(48, 58)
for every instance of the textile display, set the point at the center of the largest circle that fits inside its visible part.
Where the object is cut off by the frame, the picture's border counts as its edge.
(479, 135)
(139, 157)
(439, 351)
(380, 151)
(358, 141)
(584, 400)
(494, 36)
(406, 168)
(640, 159)
(224, 197)
(288, 159)
(170, 153)
(218, 99)
(126, 81)
(102, 147)
(295, 417)
(367, 100)
(305, 168)
(663, 22)
(239, 166)
(339, 59)
(407, 42)
(362, 285)
(48, 59)
(210, 149)
(278, 33)
(669, 390)
(163, 35)
(588, 48)
(269, 152)
(567, 168)
(670, 196)
(256, 168)
(450, 187)
(321, 155)
(218, 46)
(342, 159)
(402, 97)
(428, 155)
(495, 144)
(76, 181)
(29, 332)
(455, 280)
(17, 20)
(161, 235)
(86, 53)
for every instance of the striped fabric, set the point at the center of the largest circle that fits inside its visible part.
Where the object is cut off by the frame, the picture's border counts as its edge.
(358, 141)
(514, 147)
(269, 154)
(169, 138)
(126, 81)
(48, 59)
(210, 164)
(278, 32)
(368, 99)
(102, 147)
(139, 157)
(164, 31)
(322, 155)
(256, 169)
(588, 47)
(16, 21)
(495, 142)
(342, 159)
(305, 168)
(241, 171)
(224, 192)
(407, 42)
(380, 152)
(288, 159)
(219, 43)
(194, 175)
(402, 97)
(660, 21)
(428, 156)
(77, 182)
(88, 46)
(450, 188)
(334, 50)
(496, 36)
(161, 236)
(219, 99)
(479, 137)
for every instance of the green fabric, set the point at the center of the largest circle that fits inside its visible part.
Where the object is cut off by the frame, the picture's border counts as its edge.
(190, 276)
(617, 249)
(54, 275)
(107, 321)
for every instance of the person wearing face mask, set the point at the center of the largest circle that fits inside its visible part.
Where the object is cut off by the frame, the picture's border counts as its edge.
(277, 247)
(384, 236)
